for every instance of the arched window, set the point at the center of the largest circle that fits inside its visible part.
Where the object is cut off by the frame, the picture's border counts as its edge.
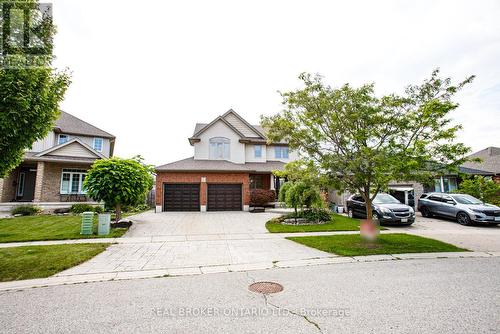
(219, 148)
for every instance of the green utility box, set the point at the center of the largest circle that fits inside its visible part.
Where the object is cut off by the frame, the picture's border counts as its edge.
(104, 221)
(87, 223)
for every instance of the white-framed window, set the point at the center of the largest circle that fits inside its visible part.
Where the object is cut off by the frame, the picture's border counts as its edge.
(72, 181)
(281, 152)
(62, 138)
(219, 148)
(97, 144)
(258, 151)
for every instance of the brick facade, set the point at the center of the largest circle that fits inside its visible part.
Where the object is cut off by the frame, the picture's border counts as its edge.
(47, 182)
(39, 182)
(49, 186)
(8, 186)
(196, 177)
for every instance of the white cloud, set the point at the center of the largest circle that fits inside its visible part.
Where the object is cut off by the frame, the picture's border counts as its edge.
(147, 71)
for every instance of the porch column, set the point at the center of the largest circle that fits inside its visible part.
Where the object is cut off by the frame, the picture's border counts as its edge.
(40, 172)
(272, 182)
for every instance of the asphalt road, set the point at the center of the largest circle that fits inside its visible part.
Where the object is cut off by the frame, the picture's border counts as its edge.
(411, 296)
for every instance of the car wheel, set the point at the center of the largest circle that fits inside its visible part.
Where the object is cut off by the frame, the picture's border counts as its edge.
(463, 219)
(426, 212)
(350, 213)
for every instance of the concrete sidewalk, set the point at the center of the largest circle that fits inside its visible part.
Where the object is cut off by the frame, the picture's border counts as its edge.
(198, 270)
(176, 238)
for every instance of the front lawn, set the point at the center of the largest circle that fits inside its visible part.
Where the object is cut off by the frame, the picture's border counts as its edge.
(29, 262)
(397, 243)
(338, 223)
(48, 227)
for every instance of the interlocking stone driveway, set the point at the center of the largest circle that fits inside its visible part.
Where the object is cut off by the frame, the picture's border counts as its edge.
(197, 223)
(186, 240)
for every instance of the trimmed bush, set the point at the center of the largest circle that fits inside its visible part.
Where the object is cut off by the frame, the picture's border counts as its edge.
(83, 207)
(260, 197)
(313, 215)
(26, 210)
(316, 215)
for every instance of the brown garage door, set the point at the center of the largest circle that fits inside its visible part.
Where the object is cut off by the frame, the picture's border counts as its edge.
(181, 197)
(224, 197)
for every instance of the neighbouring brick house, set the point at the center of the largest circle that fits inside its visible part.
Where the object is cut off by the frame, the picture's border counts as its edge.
(231, 157)
(52, 172)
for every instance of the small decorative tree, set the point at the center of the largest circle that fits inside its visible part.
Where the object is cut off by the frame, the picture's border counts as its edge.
(119, 182)
(300, 194)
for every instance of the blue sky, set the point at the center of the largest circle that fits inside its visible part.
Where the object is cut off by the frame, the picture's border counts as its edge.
(147, 71)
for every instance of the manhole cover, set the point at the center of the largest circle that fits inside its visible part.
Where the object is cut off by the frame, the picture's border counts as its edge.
(265, 287)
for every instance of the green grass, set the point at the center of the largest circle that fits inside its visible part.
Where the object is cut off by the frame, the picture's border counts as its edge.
(47, 227)
(338, 223)
(353, 245)
(29, 262)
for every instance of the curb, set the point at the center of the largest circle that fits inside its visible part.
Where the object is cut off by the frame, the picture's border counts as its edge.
(190, 271)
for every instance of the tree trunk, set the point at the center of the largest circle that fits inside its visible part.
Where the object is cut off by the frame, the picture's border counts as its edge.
(295, 215)
(369, 209)
(118, 212)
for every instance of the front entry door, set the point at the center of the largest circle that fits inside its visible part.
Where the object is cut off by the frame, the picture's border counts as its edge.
(26, 185)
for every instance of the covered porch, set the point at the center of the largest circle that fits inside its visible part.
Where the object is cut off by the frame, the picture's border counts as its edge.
(50, 184)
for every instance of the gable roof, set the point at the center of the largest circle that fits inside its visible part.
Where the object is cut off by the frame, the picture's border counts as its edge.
(490, 157)
(53, 150)
(248, 133)
(239, 122)
(67, 123)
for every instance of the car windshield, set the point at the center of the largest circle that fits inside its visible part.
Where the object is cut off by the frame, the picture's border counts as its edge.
(466, 199)
(385, 199)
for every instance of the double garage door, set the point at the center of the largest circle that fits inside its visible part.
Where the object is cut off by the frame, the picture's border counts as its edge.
(186, 197)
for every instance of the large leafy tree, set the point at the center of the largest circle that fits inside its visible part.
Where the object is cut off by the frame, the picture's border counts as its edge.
(361, 142)
(119, 182)
(30, 88)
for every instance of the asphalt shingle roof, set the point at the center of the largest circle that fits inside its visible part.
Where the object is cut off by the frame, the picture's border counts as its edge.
(473, 171)
(70, 124)
(190, 164)
(490, 157)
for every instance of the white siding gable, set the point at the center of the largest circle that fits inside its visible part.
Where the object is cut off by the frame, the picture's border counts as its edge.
(219, 129)
(240, 126)
(74, 150)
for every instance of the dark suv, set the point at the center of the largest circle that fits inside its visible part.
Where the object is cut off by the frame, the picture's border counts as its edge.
(386, 209)
(466, 209)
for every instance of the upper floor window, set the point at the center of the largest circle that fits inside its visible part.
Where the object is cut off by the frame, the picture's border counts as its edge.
(61, 139)
(219, 148)
(258, 151)
(98, 144)
(281, 152)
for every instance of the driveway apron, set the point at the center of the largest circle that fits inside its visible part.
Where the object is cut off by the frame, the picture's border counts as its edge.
(183, 240)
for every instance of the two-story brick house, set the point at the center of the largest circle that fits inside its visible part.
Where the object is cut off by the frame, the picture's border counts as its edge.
(231, 157)
(52, 172)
